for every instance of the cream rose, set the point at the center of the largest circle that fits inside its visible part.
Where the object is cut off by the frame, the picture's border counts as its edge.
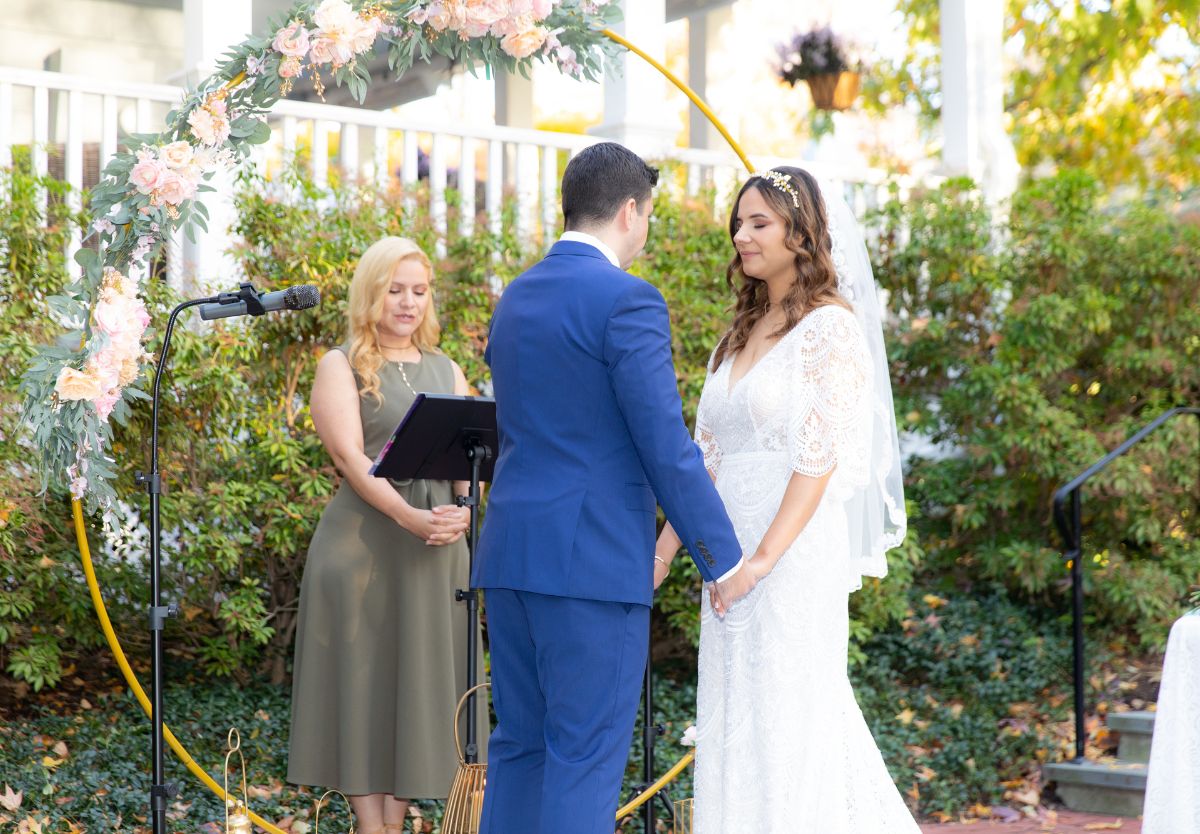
(76, 385)
(291, 40)
(176, 154)
(335, 15)
(523, 44)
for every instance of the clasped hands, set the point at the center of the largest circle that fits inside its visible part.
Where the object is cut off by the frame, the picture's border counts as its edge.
(441, 525)
(723, 594)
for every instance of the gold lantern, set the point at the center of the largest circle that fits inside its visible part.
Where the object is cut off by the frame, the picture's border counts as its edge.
(317, 815)
(683, 816)
(464, 806)
(237, 819)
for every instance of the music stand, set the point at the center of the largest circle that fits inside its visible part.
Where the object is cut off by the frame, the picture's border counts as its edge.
(444, 437)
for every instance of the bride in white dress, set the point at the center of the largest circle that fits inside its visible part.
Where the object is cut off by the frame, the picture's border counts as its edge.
(797, 429)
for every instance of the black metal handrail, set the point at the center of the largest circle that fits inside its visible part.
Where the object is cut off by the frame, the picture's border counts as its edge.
(1071, 528)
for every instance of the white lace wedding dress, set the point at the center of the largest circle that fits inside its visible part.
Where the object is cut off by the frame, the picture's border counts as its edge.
(781, 745)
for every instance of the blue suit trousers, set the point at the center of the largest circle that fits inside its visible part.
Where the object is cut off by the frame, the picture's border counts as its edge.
(566, 676)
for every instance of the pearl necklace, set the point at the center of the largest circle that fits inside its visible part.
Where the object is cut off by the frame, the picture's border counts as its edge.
(404, 374)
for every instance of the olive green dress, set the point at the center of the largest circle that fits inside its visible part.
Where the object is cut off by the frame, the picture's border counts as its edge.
(381, 646)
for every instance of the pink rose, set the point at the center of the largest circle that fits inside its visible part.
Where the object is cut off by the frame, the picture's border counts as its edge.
(148, 175)
(175, 189)
(110, 315)
(291, 40)
(289, 67)
(106, 403)
(523, 44)
(542, 9)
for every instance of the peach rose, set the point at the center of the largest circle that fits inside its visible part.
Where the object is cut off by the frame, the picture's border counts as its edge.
(291, 40)
(76, 385)
(525, 43)
(130, 369)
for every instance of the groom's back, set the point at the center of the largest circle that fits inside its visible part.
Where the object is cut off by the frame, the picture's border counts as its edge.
(567, 475)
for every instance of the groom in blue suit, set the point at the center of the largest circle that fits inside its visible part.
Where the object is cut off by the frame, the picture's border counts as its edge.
(592, 438)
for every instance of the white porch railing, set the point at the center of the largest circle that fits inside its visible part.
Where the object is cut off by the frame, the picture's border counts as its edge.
(73, 124)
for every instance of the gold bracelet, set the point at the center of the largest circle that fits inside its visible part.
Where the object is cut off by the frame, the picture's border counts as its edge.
(663, 562)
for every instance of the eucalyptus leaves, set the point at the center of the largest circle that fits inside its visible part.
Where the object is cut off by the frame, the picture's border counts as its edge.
(155, 187)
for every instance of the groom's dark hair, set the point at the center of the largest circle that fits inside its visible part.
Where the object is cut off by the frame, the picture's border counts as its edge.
(599, 180)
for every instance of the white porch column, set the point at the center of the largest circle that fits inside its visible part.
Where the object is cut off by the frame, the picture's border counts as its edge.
(210, 27)
(514, 108)
(514, 100)
(704, 31)
(976, 142)
(634, 93)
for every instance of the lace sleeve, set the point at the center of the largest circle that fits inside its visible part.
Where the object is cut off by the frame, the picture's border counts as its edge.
(705, 438)
(830, 374)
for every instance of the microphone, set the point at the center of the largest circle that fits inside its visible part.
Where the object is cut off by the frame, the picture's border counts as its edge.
(248, 301)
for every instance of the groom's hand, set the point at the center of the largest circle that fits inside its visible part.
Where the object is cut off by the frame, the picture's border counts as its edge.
(732, 589)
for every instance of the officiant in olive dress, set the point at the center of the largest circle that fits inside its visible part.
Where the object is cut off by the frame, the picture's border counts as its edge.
(381, 644)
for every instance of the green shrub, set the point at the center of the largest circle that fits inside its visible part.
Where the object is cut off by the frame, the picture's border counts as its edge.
(1021, 353)
(963, 698)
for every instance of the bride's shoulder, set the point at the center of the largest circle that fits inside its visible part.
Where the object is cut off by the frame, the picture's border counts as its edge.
(828, 317)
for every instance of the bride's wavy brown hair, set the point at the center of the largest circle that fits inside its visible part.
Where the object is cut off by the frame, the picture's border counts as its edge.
(808, 237)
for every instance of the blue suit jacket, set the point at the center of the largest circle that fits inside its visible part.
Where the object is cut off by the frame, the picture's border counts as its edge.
(591, 433)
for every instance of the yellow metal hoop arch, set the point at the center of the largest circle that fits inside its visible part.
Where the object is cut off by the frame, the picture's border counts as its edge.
(114, 643)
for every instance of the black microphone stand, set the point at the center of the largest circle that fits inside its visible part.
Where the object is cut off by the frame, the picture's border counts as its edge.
(160, 789)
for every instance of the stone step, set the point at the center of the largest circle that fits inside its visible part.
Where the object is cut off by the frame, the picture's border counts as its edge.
(1135, 730)
(1117, 788)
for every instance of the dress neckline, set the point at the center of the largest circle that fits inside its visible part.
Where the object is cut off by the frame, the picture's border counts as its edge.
(731, 386)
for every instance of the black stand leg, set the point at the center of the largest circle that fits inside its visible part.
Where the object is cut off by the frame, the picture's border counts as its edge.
(160, 789)
(477, 453)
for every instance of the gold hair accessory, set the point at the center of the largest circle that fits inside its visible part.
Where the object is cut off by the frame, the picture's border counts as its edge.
(782, 182)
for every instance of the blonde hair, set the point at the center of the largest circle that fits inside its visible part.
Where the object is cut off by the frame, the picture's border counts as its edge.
(368, 290)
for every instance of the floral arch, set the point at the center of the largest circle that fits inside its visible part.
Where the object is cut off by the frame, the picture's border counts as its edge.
(146, 193)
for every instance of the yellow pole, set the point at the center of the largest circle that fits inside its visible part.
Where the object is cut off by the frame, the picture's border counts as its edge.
(687, 91)
(126, 670)
(648, 794)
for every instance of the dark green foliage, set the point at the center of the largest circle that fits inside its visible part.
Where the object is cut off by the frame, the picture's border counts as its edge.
(1022, 353)
(962, 697)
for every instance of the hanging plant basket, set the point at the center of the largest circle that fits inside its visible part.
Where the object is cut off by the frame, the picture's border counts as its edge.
(834, 91)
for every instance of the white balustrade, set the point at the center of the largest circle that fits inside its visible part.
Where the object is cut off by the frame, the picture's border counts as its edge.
(504, 163)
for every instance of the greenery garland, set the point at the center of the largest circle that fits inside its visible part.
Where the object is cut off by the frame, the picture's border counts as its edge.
(72, 389)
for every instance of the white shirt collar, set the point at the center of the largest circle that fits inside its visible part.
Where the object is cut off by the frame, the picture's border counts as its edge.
(590, 240)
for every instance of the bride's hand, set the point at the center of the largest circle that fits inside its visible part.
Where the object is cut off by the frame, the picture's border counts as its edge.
(759, 567)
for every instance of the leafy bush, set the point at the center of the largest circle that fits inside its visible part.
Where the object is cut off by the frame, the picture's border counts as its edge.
(964, 698)
(1023, 351)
